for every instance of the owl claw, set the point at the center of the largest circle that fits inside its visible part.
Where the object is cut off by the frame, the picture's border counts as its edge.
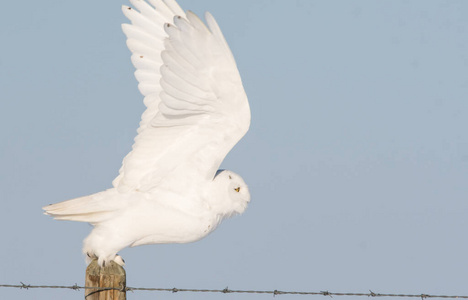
(119, 260)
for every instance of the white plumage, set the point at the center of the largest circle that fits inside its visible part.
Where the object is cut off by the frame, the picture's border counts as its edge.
(169, 189)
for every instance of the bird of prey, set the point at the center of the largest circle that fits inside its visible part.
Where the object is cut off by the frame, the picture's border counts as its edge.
(169, 188)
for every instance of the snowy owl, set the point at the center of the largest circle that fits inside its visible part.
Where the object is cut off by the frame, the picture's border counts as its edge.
(169, 188)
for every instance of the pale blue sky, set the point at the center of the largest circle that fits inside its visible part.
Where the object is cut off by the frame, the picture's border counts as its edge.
(357, 157)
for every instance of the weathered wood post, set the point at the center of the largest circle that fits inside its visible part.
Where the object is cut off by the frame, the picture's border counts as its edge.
(110, 276)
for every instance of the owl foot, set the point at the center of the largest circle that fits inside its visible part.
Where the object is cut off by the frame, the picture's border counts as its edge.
(103, 261)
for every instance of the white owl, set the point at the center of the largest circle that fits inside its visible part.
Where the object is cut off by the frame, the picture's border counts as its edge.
(169, 189)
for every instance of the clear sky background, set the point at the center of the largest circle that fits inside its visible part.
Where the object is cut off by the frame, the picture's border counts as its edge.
(357, 156)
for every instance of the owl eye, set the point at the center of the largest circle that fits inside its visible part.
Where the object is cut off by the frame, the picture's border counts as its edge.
(237, 189)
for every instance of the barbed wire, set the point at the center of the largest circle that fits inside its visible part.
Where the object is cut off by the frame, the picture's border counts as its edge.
(229, 291)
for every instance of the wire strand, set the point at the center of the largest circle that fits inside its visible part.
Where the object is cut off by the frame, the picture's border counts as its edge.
(229, 291)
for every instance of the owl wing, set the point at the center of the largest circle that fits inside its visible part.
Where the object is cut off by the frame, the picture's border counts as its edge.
(196, 106)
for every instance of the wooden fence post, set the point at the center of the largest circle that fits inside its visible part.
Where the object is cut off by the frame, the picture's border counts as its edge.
(110, 276)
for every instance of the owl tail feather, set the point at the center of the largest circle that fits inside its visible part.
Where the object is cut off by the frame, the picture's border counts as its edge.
(91, 209)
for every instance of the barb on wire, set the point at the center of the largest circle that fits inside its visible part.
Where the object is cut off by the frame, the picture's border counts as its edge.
(24, 286)
(229, 291)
